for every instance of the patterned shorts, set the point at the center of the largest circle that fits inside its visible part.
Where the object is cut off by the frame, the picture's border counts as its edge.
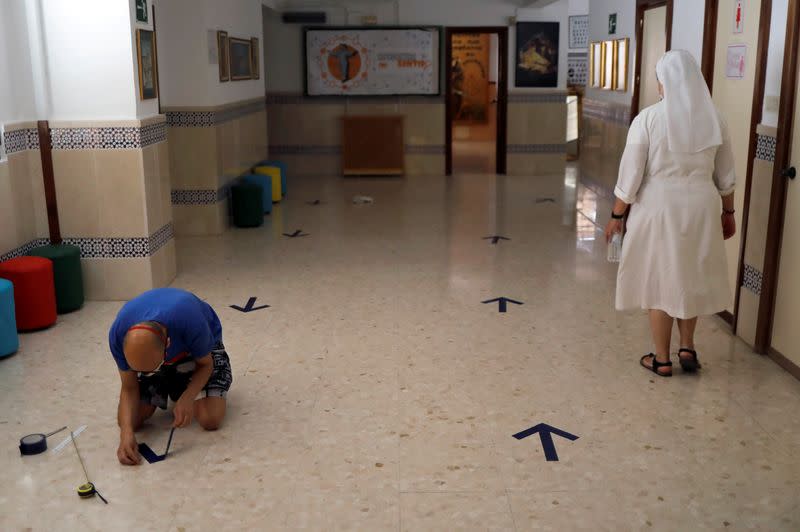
(172, 380)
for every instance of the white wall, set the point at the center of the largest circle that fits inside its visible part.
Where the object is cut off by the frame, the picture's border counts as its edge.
(189, 76)
(687, 27)
(88, 47)
(599, 10)
(17, 95)
(284, 41)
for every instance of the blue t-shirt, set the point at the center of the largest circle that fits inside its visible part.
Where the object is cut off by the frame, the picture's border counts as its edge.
(192, 325)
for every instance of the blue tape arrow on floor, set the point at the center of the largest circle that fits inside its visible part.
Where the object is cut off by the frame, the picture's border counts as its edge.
(545, 434)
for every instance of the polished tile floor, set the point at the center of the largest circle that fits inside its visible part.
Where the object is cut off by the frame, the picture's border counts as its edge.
(378, 393)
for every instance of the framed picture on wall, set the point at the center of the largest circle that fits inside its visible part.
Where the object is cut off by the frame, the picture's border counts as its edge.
(596, 65)
(622, 65)
(537, 54)
(579, 31)
(222, 55)
(609, 65)
(148, 66)
(240, 58)
(254, 57)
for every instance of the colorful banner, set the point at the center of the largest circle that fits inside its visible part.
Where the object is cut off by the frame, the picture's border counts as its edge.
(372, 62)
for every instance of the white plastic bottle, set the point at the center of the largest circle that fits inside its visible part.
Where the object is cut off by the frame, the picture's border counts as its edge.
(615, 248)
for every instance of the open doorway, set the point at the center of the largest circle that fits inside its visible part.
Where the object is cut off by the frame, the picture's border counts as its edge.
(476, 92)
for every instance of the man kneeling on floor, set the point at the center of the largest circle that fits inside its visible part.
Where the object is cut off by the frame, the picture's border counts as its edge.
(167, 344)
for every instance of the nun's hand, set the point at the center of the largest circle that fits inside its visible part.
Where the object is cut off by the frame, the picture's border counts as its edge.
(728, 225)
(613, 227)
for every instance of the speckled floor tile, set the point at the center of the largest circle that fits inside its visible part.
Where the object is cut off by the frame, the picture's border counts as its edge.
(377, 393)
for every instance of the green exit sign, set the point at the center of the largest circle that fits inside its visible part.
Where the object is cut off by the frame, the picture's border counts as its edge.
(612, 24)
(141, 11)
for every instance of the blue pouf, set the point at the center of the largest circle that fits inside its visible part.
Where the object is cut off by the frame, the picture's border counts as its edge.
(265, 182)
(282, 166)
(9, 341)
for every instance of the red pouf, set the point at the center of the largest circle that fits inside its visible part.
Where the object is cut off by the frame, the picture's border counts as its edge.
(34, 291)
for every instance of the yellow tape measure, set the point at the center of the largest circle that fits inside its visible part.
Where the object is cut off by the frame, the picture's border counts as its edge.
(88, 490)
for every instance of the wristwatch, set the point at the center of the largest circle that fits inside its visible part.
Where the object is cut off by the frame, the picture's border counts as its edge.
(616, 216)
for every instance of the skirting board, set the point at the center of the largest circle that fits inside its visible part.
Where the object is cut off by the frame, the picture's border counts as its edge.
(792, 368)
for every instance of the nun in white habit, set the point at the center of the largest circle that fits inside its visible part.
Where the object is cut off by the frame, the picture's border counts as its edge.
(677, 175)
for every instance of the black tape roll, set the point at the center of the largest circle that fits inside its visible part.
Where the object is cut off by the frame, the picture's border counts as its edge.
(33, 444)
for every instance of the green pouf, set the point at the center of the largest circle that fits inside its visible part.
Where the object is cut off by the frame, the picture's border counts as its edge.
(248, 208)
(66, 273)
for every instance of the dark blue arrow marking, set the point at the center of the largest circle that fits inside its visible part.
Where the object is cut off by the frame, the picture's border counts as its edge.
(495, 239)
(249, 307)
(503, 302)
(545, 200)
(297, 233)
(545, 434)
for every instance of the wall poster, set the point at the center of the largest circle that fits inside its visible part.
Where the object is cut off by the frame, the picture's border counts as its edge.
(371, 61)
(537, 54)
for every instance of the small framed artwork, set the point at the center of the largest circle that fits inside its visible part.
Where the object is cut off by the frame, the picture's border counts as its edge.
(596, 65)
(579, 31)
(222, 55)
(148, 66)
(622, 64)
(254, 57)
(609, 65)
(240, 58)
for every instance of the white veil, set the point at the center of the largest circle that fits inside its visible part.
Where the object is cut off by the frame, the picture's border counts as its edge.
(692, 120)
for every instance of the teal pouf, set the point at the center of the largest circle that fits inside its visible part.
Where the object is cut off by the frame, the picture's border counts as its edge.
(9, 341)
(265, 182)
(66, 274)
(282, 166)
(248, 204)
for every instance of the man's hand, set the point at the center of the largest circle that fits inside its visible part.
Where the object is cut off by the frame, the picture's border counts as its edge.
(184, 411)
(128, 452)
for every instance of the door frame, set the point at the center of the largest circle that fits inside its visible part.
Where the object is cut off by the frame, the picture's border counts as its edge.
(641, 7)
(710, 42)
(777, 210)
(502, 93)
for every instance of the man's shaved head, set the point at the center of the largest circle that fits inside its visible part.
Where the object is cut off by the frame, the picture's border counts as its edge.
(144, 348)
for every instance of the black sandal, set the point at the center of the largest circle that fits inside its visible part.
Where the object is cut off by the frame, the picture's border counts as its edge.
(656, 365)
(689, 364)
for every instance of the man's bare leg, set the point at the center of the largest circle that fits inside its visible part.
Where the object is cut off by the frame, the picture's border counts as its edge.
(210, 411)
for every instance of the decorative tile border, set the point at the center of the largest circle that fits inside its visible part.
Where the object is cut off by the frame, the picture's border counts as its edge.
(607, 112)
(201, 196)
(107, 138)
(752, 279)
(543, 97)
(297, 98)
(536, 148)
(106, 248)
(430, 149)
(21, 140)
(212, 118)
(765, 148)
(300, 149)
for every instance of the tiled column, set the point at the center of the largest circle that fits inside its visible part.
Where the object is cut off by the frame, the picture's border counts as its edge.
(23, 216)
(112, 183)
(209, 148)
(755, 246)
(537, 133)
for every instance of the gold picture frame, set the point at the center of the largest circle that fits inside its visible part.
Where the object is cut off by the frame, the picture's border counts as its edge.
(609, 65)
(254, 62)
(147, 58)
(623, 51)
(240, 58)
(222, 56)
(595, 64)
